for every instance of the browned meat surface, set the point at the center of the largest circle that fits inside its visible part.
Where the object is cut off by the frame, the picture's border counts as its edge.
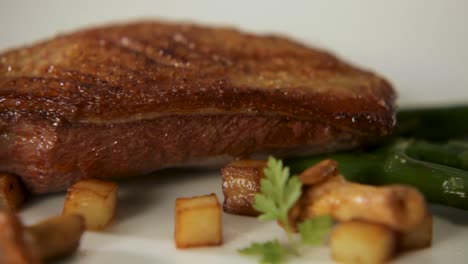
(129, 99)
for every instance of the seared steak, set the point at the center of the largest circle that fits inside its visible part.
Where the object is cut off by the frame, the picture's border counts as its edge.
(129, 99)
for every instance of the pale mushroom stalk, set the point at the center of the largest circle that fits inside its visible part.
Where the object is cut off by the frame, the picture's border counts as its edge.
(53, 238)
(400, 207)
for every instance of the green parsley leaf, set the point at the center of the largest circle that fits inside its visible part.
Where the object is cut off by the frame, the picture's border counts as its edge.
(314, 230)
(278, 192)
(271, 252)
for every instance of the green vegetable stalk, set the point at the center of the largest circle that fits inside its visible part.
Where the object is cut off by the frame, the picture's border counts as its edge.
(416, 163)
(439, 183)
(435, 124)
(452, 154)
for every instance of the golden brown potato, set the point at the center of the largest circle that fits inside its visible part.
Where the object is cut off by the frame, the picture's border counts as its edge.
(12, 192)
(420, 237)
(241, 181)
(198, 221)
(361, 242)
(95, 200)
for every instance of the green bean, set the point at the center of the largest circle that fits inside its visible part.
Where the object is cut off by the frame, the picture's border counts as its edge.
(439, 183)
(435, 124)
(391, 164)
(451, 154)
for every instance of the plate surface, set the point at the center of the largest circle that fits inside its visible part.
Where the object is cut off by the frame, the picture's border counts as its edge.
(144, 226)
(420, 46)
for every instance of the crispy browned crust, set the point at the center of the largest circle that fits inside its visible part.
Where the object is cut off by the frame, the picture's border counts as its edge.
(129, 99)
(138, 71)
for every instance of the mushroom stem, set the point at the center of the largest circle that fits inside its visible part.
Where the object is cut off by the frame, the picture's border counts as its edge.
(57, 236)
(397, 206)
(53, 238)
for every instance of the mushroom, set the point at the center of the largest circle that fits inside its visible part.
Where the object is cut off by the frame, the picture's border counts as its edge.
(399, 207)
(326, 192)
(320, 172)
(12, 192)
(53, 238)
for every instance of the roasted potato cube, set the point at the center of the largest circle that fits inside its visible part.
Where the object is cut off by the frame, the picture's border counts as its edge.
(362, 242)
(95, 200)
(420, 237)
(12, 192)
(241, 181)
(198, 221)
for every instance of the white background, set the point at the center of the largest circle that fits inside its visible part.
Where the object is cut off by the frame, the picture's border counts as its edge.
(420, 46)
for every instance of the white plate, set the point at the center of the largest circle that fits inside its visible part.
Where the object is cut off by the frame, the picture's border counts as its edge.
(144, 226)
(419, 45)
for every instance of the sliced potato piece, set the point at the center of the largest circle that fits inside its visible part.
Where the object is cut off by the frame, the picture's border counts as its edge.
(241, 181)
(362, 242)
(95, 200)
(12, 192)
(420, 237)
(198, 221)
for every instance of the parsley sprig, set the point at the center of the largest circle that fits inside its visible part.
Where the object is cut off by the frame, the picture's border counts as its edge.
(278, 193)
(271, 251)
